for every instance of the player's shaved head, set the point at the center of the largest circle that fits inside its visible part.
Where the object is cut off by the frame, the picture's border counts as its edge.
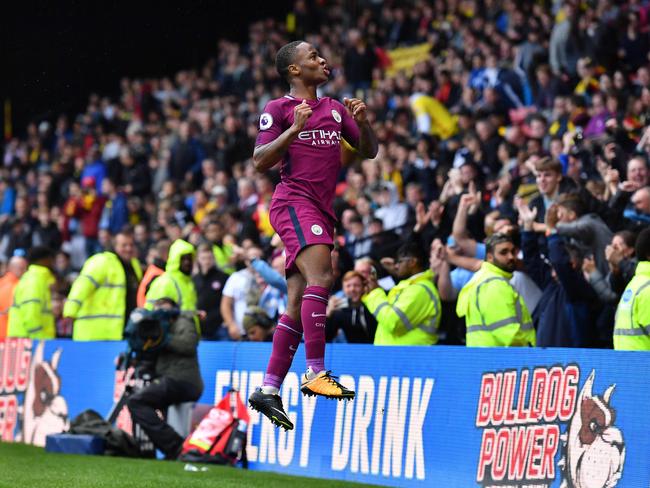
(285, 57)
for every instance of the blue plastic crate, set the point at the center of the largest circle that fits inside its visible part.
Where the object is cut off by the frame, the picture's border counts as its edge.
(74, 444)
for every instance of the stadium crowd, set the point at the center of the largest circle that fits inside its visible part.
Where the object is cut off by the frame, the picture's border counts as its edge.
(524, 123)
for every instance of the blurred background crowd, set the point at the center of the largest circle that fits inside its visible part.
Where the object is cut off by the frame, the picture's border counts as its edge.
(525, 118)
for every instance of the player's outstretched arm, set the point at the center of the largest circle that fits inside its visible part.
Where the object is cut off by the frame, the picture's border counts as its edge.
(367, 139)
(267, 155)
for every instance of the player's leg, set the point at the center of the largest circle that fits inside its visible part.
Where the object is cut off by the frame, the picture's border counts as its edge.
(315, 264)
(286, 339)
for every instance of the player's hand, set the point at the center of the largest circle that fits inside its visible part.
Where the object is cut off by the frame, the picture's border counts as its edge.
(357, 109)
(300, 115)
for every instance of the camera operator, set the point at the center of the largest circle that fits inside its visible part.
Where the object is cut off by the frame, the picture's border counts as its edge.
(349, 314)
(177, 375)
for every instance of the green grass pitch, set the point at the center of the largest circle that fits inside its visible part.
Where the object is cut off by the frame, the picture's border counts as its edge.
(23, 466)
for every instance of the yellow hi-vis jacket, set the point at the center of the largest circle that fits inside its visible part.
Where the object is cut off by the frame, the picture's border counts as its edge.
(173, 283)
(31, 313)
(222, 255)
(632, 326)
(97, 299)
(409, 314)
(495, 314)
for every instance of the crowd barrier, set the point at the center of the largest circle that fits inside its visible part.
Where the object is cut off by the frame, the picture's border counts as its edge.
(423, 416)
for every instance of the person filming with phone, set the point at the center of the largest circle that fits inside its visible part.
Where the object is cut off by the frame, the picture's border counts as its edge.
(349, 314)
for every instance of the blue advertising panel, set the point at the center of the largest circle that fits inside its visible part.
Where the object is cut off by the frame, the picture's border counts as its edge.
(423, 416)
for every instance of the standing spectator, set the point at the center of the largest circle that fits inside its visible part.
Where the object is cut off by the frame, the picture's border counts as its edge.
(46, 233)
(410, 313)
(31, 313)
(15, 268)
(563, 316)
(239, 292)
(495, 314)
(17, 231)
(115, 214)
(134, 175)
(95, 169)
(88, 210)
(186, 155)
(588, 230)
(621, 260)
(349, 314)
(105, 292)
(209, 283)
(156, 262)
(548, 177)
(358, 62)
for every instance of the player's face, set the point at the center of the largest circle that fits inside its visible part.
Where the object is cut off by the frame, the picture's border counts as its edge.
(313, 68)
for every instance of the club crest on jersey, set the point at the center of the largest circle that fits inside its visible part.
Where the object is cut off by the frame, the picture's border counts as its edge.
(316, 229)
(266, 121)
(337, 116)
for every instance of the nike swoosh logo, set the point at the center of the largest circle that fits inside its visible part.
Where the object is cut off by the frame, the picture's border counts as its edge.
(279, 411)
(293, 348)
(314, 315)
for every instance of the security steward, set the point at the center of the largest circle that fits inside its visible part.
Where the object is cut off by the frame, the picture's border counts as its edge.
(177, 379)
(104, 294)
(632, 325)
(31, 313)
(495, 314)
(410, 313)
(176, 282)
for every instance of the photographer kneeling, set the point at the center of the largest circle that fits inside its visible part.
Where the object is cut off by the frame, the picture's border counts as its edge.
(170, 338)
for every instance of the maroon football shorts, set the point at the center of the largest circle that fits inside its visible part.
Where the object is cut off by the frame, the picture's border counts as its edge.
(300, 224)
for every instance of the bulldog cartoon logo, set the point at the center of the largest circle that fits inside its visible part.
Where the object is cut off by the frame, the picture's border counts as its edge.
(594, 447)
(44, 410)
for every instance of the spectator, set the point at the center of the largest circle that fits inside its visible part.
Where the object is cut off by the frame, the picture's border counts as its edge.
(31, 313)
(209, 283)
(563, 317)
(46, 233)
(410, 313)
(239, 292)
(349, 314)
(258, 326)
(568, 217)
(105, 292)
(156, 262)
(88, 209)
(621, 260)
(358, 62)
(15, 269)
(115, 214)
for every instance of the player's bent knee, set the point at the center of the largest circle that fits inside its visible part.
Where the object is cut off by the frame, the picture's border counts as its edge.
(324, 280)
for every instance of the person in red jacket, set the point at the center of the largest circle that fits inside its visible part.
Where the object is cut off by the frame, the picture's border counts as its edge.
(88, 210)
